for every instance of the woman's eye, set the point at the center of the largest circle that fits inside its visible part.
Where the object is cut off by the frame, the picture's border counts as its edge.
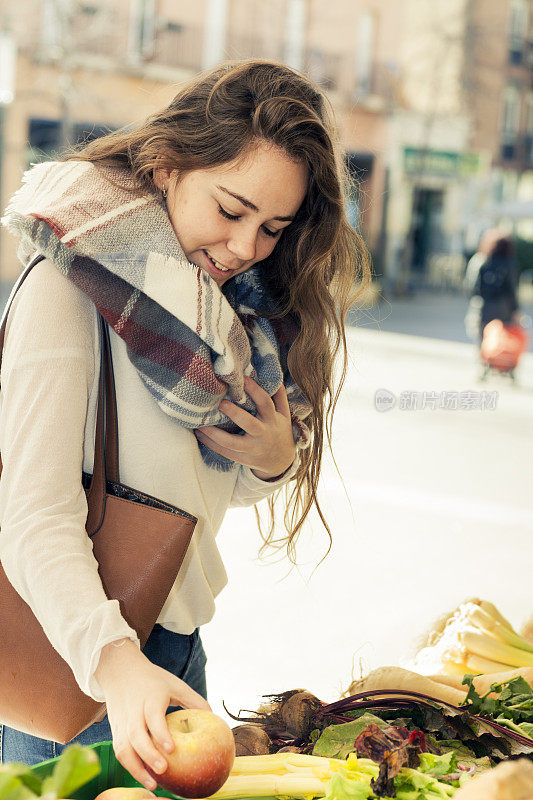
(271, 233)
(234, 217)
(225, 214)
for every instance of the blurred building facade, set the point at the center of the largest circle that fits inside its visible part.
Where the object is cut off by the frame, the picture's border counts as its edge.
(433, 98)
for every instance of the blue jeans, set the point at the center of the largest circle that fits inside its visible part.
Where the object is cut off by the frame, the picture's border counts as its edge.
(178, 653)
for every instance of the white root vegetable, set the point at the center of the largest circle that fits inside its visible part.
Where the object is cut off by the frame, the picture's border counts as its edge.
(482, 683)
(510, 780)
(397, 678)
(455, 681)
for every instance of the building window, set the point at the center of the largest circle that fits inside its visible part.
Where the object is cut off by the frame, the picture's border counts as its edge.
(518, 30)
(511, 113)
(364, 54)
(44, 137)
(510, 121)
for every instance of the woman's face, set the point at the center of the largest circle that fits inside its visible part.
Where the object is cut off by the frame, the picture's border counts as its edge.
(233, 216)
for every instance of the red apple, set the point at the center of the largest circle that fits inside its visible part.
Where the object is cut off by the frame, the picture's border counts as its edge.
(125, 793)
(203, 755)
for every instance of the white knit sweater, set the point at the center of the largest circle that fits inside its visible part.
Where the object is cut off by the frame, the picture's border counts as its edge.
(49, 391)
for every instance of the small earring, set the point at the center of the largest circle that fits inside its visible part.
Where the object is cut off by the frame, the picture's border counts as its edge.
(164, 191)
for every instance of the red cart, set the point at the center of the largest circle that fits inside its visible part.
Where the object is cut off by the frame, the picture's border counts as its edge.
(502, 346)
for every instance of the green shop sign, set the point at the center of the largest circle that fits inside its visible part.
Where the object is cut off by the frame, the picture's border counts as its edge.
(439, 162)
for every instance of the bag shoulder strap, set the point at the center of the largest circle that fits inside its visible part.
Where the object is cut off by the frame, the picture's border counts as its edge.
(106, 440)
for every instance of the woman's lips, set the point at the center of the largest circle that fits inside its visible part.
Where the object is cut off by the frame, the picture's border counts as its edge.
(214, 269)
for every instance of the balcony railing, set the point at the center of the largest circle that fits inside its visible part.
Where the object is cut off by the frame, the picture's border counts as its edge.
(107, 33)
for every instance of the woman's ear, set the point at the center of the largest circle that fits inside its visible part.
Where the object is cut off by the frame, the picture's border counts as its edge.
(161, 177)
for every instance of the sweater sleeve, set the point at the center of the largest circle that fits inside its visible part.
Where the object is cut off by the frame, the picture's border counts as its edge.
(46, 378)
(250, 489)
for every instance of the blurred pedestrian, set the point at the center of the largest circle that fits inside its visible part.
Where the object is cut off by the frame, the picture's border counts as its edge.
(484, 249)
(491, 276)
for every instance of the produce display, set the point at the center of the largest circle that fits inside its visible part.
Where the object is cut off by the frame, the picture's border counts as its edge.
(388, 738)
(396, 733)
(400, 733)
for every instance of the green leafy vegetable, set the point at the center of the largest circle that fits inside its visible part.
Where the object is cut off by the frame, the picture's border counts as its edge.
(337, 741)
(74, 767)
(342, 787)
(353, 782)
(411, 784)
(17, 782)
(437, 766)
(512, 707)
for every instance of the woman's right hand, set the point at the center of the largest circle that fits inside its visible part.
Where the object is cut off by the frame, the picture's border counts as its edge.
(137, 695)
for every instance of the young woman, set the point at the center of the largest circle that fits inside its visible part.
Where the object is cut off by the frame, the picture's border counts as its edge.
(219, 226)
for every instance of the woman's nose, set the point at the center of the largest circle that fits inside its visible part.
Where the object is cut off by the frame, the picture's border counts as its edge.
(243, 245)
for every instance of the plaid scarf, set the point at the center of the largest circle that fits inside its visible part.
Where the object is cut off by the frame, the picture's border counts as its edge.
(191, 343)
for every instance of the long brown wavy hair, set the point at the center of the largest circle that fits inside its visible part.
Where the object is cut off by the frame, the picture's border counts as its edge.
(319, 265)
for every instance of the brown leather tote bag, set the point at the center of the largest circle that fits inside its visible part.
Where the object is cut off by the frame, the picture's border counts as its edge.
(139, 542)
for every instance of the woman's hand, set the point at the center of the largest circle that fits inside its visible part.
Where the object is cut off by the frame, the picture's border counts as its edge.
(267, 446)
(137, 695)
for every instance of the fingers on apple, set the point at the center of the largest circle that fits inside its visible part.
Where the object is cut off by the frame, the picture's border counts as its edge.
(144, 746)
(159, 731)
(133, 764)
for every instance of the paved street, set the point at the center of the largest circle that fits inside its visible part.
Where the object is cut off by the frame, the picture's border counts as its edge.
(434, 506)
(438, 315)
